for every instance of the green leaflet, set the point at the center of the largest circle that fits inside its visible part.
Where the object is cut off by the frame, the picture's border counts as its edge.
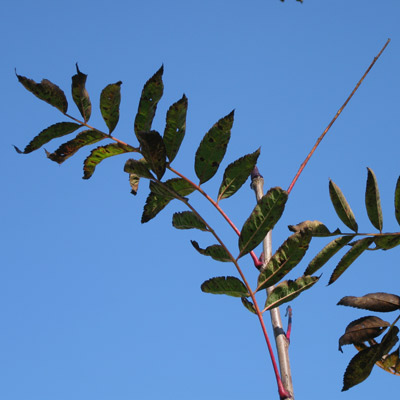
(236, 174)
(153, 149)
(175, 127)
(216, 251)
(357, 249)
(69, 148)
(110, 99)
(188, 220)
(46, 91)
(212, 148)
(151, 95)
(80, 94)
(54, 131)
(138, 167)
(342, 207)
(100, 153)
(373, 201)
(314, 228)
(397, 201)
(263, 218)
(327, 253)
(288, 290)
(225, 285)
(387, 242)
(249, 305)
(289, 254)
(361, 365)
(160, 196)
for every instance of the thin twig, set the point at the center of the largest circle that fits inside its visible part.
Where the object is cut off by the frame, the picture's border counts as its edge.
(335, 118)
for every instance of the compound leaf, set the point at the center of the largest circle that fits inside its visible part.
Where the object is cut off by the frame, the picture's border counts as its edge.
(151, 95)
(289, 254)
(380, 302)
(100, 153)
(342, 207)
(80, 94)
(188, 220)
(357, 249)
(153, 149)
(236, 174)
(216, 251)
(327, 253)
(175, 127)
(69, 148)
(373, 201)
(110, 99)
(212, 148)
(225, 285)
(263, 218)
(46, 91)
(160, 196)
(289, 290)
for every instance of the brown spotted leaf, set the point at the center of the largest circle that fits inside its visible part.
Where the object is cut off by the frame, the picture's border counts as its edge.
(373, 201)
(362, 329)
(314, 228)
(380, 302)
(110, 100)
(387, 241)
(188, 220)
(80, 94)
(225, 285)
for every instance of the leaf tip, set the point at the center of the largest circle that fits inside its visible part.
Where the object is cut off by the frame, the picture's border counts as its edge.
(18, 150)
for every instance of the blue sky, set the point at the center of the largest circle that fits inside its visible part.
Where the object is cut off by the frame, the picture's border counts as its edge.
(95, 305)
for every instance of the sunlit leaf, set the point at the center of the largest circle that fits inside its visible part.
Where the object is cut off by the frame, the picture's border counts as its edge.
(357, 249)
(289, 290)
(326, 254)
(397, 200)
(151, 95)
(212, 148)
(289, 254)
(69, 148)
(373, 201)
(110, 99)
(100, 153)
(188, 220)
(160, 196)
(216, 251)
(314, 228)
(80, 94)
(225, 285)
(46, 91)
(342, 207)
(138, 167)
(249, 305)
(263, 218)
(236, 174)
(387, 242)
(153, 149)
(380, 302)
(52, 132)
(175, 127)
(361, 330)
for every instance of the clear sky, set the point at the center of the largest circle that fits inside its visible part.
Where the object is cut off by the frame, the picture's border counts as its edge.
(95, 305)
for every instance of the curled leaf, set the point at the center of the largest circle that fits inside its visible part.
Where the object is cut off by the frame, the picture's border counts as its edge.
(138, 167)
(249, 305)
(80, 94)
(52, 132)
(314, 228)
(263, 218)
(236, 174)
(225, 285)
(288, 290)
(46, 91)
(110, 100)
(188, 220)
(361, 330)
(373, 201)
(134, 182)
(342, 207)
(69, 148)
(175, 127)
(212, 148)
(380, 302)
(216, 252)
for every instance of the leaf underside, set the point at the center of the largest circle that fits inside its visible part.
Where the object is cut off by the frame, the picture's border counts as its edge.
(373, 202)
(379, 302)
(216, 251)
(110, 99)
(228, 285)
(80, 94)
(263, 218)
(212, 148)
